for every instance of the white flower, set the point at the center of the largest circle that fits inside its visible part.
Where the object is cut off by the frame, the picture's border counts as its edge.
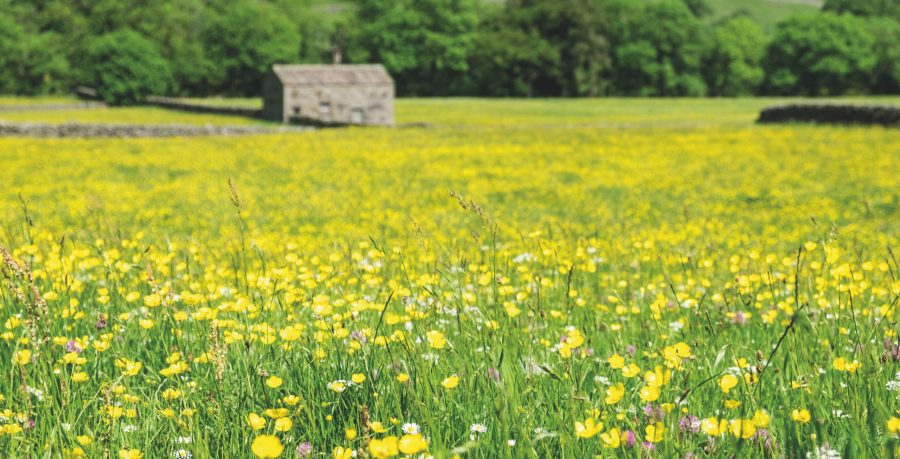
(823, 452)
(38, 394)
(129, 428)
(601, 380)
(410, 428)
(478, 428)
(511, 442)
(524, 257)
(182, 454)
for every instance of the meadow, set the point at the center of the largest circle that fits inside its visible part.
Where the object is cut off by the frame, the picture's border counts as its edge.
(570, 278)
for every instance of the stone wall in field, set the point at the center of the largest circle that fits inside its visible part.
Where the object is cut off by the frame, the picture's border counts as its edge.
(884, 115)
(132, 130)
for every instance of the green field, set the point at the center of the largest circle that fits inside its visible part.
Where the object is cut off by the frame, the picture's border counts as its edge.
(465, 112)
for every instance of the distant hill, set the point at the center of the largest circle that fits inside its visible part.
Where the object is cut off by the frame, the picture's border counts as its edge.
(765, 12)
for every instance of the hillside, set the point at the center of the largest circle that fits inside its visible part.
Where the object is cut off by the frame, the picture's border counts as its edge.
(766, 12)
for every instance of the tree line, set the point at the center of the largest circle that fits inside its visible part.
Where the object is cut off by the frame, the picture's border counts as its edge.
(128, 49)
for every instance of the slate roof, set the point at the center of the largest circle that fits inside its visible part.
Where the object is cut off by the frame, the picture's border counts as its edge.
(340, 74)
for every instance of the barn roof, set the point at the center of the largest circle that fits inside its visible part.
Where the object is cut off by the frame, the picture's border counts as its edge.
(340, 74)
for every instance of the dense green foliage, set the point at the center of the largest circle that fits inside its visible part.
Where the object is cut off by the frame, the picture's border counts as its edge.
(27, 65)
(244, 40)
(425, 44)
(734, 61)
(664, 55)
(820, 55)
(126, 67)
(540, 48)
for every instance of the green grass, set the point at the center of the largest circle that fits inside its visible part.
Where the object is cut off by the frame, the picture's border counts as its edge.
(125, 115)
(609, 112)
(475, 113)
(40, 100)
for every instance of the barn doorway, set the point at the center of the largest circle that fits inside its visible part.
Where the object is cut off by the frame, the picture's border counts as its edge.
(357, 116)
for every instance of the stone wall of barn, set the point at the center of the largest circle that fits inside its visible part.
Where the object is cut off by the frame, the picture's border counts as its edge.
(358, 104)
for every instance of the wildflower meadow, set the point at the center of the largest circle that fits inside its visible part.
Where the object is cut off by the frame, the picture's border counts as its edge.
(505, 279)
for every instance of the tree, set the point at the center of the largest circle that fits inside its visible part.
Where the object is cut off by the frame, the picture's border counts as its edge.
(126, 67)
(734, 64)
(243, 40)
(663, 53)
(177, 28)
(885, 75)
(28, 63)
(819, 55)
(544, 48)
(424, 44)
(700, 8)
(509, 62)
(638, 69)
(323, 25)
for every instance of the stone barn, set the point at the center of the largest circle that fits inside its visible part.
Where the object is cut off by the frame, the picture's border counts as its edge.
(329, 94)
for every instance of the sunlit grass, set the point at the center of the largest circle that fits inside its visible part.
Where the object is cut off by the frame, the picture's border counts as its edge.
(126, 115)
(41, 100)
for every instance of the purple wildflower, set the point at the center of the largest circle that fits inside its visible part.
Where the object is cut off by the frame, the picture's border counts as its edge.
(304, 449)
(689, 423)
(72, 346)
(630, 438)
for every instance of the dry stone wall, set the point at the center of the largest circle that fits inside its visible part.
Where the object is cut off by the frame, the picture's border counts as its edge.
(133, 130)
(885, 115)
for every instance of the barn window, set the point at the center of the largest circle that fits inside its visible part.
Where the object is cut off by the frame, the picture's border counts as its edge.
(324, 108)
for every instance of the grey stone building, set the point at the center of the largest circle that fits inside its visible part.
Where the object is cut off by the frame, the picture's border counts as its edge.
(329, 94)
